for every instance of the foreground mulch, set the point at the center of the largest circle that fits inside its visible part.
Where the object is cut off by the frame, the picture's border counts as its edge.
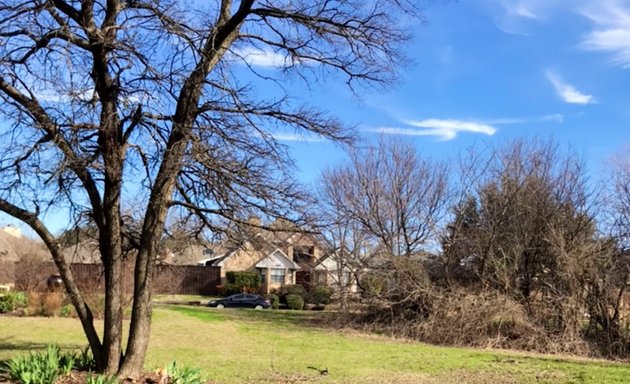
(80, 377)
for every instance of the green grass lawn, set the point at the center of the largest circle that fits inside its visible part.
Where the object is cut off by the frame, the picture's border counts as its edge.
(246, 346)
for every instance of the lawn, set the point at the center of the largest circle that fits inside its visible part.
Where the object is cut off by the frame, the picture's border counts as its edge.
(243, 346)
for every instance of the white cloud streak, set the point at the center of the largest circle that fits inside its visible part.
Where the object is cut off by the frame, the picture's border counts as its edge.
(611, 22)
(443, 129)
(449, 129)
(611, 33)
(296, 137)
(257, 57)
(52, 96)
(566, 91)
(515, 16)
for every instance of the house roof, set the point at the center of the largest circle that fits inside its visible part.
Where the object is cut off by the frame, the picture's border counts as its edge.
(217, 260)
(277, 259)
(326, 263)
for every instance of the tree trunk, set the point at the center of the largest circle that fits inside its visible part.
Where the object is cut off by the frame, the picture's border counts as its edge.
(83, 310)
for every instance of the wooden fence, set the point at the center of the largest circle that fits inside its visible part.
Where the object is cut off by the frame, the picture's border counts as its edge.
(168, 279)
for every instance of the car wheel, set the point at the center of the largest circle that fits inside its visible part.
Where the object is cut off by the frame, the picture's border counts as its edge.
(258, 306)
(220, 306)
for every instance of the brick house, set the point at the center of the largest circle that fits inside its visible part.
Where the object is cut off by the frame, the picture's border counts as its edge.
(279, 257)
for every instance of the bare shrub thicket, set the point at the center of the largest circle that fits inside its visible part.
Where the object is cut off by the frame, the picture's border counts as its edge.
(523, 263)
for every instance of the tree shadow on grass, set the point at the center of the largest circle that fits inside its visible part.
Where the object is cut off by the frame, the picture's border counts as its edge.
(8, 344)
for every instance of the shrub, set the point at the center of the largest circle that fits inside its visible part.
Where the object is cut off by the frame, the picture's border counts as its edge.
(183, 375)
(11, 301)
(275, 300)
(292, 289)
(230, 289)
(295, 301)
(243, 281)
(320, 294)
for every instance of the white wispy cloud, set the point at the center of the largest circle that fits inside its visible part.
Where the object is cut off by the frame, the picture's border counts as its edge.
(566, 91)
(283, 136)
(529, 9)
(514, 16)
(449, 129)
(611, 33)
(443, 129)
(262, 58)
(52, 96)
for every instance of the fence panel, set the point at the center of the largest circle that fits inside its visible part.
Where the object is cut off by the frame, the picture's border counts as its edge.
(168, 279)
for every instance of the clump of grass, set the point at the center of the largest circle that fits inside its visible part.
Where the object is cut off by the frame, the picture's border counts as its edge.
(45, 367)
(181, 375)
(101, 379)
(40, 368)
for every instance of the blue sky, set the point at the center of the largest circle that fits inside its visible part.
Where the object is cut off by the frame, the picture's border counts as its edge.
(494, 70)
(487, 71)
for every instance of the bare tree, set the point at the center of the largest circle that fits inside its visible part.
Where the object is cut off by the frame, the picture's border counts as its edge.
(111, 103)
(350, 248)
(619, 201)
(397, 197)
(389, 203)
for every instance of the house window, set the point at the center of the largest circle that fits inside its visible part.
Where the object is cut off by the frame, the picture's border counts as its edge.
(263, 275)
(277, 276)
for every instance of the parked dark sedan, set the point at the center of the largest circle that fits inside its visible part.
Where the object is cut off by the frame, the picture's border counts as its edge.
(241, 300)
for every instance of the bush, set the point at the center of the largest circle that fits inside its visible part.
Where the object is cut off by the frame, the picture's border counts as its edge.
(275, 300)
(11, 301)
(230, 289)
(295, 302)
(320, 294)
(292, 289)
(242, 282)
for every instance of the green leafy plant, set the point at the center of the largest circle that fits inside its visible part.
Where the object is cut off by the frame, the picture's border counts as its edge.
(66, 363)
(37, 368)
(242, 282)
(320, 294)
(11, 301)
(181, 375)
(101, 379)
(295, 302)
(45, 367)
(67, 310)
(230, 289)
(84, 360)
